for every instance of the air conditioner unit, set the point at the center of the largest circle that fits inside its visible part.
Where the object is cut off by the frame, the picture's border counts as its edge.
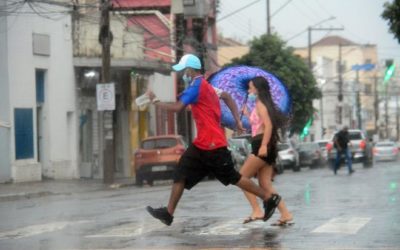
(196, 8)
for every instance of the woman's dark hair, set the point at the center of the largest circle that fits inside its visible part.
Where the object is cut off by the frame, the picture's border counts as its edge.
(278, 119)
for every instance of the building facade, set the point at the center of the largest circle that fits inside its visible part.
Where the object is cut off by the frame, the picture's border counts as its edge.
(336, 65)
(38, 128)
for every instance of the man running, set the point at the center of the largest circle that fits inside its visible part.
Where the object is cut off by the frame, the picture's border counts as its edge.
(208, 153)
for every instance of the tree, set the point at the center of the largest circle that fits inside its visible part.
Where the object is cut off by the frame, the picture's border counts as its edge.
(391, 13)
(269, 52)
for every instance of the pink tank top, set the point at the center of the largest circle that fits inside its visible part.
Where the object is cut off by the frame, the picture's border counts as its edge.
(255, 122)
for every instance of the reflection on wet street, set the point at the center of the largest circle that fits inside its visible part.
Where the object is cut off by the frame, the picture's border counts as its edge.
(330, 212)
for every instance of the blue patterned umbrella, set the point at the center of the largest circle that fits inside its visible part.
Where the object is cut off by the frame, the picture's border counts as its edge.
(235, 81)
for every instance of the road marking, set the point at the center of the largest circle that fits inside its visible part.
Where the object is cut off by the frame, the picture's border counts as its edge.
(233, 227)
(37, 229)
(342, 225)
(128, 230)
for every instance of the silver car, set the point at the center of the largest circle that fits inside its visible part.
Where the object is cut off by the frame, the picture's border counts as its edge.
(240, 148)
(386, 151)
(361, 148)
(288, 156)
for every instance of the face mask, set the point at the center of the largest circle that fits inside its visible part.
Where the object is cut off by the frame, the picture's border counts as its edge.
(252, 97)
(187, 79)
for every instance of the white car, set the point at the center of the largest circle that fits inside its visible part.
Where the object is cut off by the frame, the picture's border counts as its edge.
(386, 151)
(288, 156)
(323, 146)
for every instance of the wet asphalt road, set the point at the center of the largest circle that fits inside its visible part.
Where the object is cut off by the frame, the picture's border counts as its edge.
(361, 211)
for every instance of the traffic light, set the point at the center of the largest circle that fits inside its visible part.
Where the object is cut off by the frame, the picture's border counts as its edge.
(306, 129)
(390, 68)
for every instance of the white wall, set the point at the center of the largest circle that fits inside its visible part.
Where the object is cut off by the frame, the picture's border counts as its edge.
(163, 87)
(5, 170)
(60, 122)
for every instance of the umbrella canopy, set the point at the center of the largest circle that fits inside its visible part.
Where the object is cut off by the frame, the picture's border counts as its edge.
(235, 81)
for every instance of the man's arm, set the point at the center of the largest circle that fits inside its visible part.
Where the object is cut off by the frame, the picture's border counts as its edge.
(226, 97)
(335, 140)
(175, 107)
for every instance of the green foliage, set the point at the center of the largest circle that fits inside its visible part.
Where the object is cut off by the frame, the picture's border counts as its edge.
(391, 13)
(269, 52)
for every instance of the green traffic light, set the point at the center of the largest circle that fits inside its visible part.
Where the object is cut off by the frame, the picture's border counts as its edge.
(306, 129)
(389, 73)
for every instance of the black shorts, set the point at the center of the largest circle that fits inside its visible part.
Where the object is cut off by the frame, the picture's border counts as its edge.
(272, 153)
(195, 164)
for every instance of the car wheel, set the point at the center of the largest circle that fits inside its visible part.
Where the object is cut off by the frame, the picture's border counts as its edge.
(150, 182)
(296, 168)
(139, 180)
(367, 163)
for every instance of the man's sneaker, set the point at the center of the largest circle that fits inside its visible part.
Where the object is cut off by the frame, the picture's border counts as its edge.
(270, 206)
(162, 214)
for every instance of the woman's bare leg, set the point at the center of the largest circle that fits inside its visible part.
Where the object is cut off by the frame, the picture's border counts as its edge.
(265, 175)
(249, 169)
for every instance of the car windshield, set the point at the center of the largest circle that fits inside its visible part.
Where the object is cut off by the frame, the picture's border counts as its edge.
(308, 146)
(238, 143)
(385, 144)
(159, 143)
(322, 144)
(283, 146)
(355, 136)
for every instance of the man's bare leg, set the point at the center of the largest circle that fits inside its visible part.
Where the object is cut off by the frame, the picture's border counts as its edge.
(175, 196)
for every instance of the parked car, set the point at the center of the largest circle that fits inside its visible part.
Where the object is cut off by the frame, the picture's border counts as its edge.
(323, 147)
(361, 148)
(310, 154)
(386, 151)
(157, 158)
(288, 156)
(240, 147)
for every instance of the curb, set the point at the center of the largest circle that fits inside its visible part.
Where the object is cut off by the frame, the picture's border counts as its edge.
(121, 185)
(14, 197)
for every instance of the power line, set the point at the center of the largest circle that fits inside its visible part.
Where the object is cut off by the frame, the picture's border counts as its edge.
(281, 8)
(238, 10)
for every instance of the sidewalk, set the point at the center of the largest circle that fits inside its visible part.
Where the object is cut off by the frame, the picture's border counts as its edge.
(26, 190)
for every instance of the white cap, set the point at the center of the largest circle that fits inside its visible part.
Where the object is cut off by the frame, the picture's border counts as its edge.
(187, 61)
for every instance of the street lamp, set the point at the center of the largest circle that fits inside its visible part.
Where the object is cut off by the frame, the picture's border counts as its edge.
(311, 28)
(357, 68)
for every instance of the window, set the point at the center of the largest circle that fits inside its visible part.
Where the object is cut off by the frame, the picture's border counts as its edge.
(368, 88)
(283, 146)
(40, 86)
(23, 122)
(159, 143)
(41, 44)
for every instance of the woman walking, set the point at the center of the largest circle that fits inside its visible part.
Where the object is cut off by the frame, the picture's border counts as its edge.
(265, 120)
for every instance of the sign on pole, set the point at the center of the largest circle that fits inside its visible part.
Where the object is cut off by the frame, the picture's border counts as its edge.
(105, 96)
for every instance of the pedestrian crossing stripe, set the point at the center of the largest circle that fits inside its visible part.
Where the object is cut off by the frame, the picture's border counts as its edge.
(343, 225)
(37, 229)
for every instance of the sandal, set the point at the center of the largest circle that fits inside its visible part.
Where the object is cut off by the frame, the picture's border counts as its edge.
(252, 219)
(281, 223)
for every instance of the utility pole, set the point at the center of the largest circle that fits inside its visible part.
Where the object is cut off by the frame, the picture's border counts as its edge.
(358, 102)
(106, 146)
(386, 112)
(340, 85)
(310, 29)
(376, 104)
(268, 19)
(397, 115)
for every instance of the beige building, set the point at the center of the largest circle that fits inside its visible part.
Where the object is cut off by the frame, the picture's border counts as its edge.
(358, 106)
(228, 49)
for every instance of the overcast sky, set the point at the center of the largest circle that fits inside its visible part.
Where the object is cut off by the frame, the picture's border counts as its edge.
(360, 19)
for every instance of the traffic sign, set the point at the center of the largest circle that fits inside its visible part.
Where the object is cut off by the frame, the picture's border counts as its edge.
(105, 96)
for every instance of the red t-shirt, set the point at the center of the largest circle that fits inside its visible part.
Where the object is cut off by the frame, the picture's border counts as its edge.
(206, 112)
